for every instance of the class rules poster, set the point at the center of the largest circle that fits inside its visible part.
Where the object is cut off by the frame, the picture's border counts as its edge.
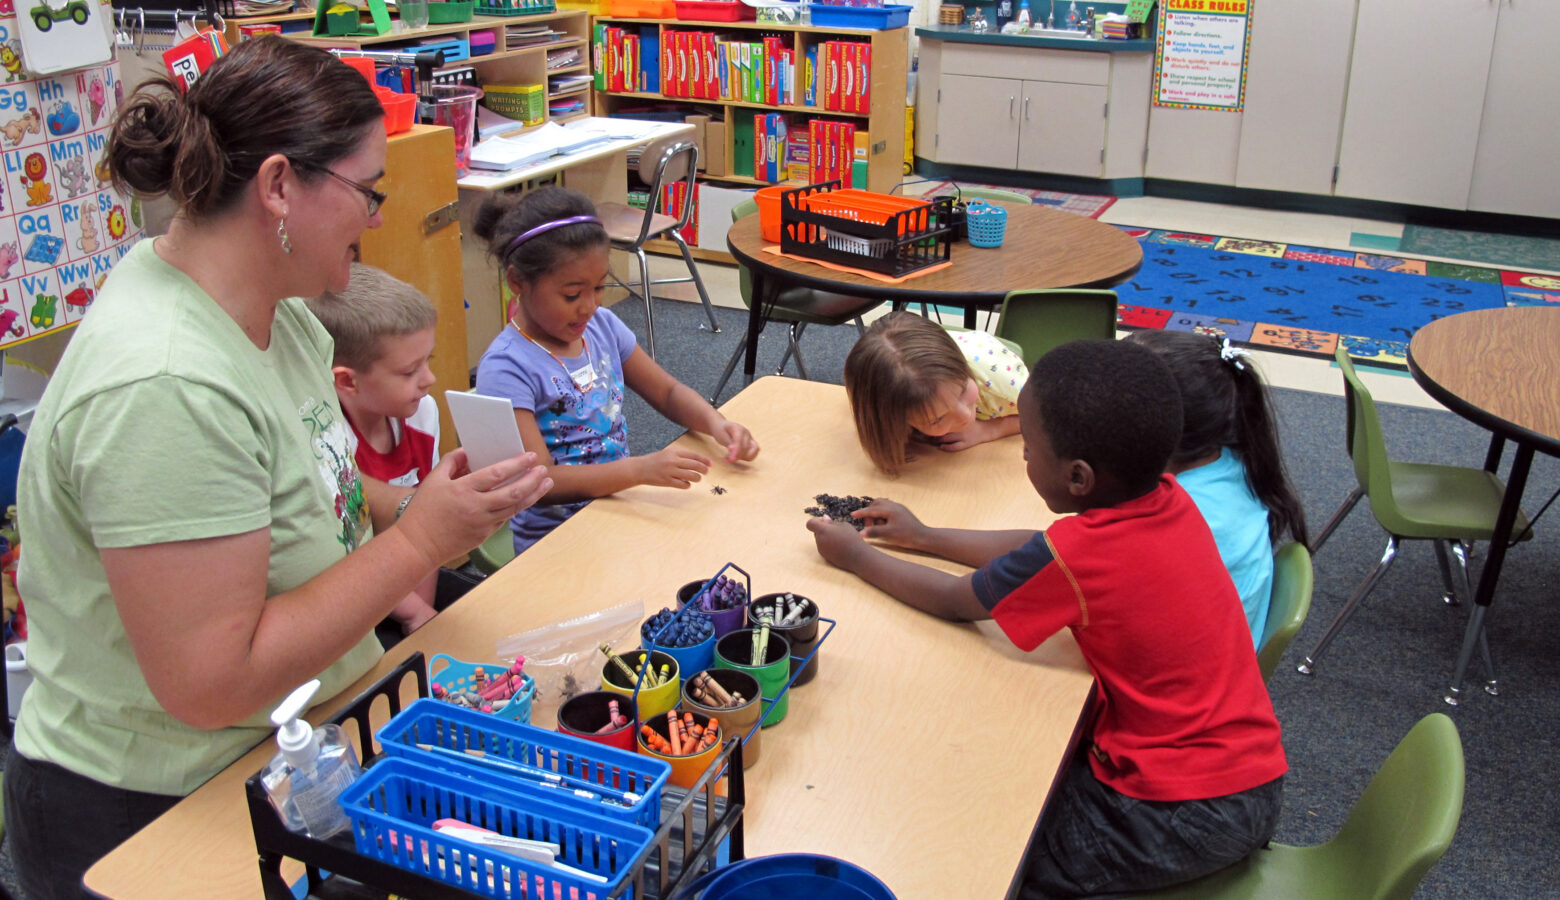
(1200, 56)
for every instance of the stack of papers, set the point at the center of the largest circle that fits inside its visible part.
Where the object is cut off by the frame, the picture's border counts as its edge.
(514, 151)
(563, 59)
(517, 36)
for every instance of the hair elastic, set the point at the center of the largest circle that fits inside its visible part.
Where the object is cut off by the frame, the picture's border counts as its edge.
(1232, 354)
(546, 227)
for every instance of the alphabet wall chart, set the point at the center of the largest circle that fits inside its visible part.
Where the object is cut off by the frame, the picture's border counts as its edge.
(62, 224)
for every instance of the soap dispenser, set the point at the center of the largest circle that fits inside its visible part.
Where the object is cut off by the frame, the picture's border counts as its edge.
(1023, 20)
(305, 780)
(1074, 20)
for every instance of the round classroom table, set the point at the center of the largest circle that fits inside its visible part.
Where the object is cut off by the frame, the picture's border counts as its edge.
(1497, 369)
(1041, 248)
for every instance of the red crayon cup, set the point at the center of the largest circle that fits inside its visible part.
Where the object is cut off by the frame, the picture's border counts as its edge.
(584, 715)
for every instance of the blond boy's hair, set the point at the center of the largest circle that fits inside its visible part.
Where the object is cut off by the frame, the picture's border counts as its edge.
(893, 373)
(374, 305)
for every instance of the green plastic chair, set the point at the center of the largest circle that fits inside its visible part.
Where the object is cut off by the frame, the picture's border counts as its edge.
(1451, 505)
(1291, 601)
(491, 555)
(798, 306)
(1039, 320)
(1400, 827)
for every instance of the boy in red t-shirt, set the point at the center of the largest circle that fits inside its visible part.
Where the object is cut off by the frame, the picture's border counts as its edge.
(383, 329)
(1182, 773)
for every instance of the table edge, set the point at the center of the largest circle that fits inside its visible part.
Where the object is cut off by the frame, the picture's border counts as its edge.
(1477, 414)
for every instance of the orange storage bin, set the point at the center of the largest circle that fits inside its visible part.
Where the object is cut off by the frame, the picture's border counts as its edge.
(768, 200)
(400, 111)
(643, 9)
(364, 65)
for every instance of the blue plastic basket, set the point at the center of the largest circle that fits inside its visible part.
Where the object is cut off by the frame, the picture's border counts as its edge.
(461, 676)
(877, 18)
(612, 782)
(394, 804)
(987, 224)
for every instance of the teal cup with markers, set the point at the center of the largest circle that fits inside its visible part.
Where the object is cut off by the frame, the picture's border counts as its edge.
(772, 666)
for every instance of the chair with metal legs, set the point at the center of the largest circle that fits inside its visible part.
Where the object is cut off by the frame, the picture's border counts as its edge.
(663, 164)
(798, 306)
(1450, 505)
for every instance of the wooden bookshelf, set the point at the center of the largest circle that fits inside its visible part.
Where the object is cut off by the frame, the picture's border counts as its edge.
(884, 121)
(505, 65)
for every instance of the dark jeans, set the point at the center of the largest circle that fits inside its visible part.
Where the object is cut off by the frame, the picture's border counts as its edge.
(59, 823)
(1096, 841)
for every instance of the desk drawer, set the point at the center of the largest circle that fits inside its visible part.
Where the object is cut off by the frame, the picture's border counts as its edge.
(1031, 64)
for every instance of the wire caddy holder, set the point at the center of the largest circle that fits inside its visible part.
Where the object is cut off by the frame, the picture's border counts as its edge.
(882, 233)
(766, 703)
(692, 829)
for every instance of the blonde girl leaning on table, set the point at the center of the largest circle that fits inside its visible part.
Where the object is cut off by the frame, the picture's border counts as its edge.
(911, 382)
(563, 362)
(197, 536)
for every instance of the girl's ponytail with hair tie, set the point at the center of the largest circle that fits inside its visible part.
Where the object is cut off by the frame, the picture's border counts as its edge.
(1232, 354)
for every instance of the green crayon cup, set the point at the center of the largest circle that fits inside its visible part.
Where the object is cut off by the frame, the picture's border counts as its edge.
(653, 701)
(772, 669)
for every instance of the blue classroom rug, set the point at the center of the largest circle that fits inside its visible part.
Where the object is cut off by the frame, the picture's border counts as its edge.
(1306, 300)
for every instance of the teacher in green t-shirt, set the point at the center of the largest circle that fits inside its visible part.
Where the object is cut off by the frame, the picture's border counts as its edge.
(198, 536)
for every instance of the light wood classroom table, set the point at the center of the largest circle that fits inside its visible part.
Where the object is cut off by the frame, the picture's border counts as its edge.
(1041, 248)
(1497, 369)
(923, 750)
(599, 172)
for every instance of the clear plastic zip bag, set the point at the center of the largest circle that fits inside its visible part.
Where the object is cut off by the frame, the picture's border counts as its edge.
(564, 658)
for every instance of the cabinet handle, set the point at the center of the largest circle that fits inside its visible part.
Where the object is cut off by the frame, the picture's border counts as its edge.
(1010, 107)
(1026, 109)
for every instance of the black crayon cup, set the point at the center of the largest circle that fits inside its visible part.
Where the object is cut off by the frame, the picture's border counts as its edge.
(803, 635)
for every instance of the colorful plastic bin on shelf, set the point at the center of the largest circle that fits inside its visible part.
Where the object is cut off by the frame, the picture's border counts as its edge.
(516, 8)
(447, 12)
(594, 7)
(455, 675)
(400, 111)
(715, 11)
(394, 804)
(642, 9)
(562, 760)
(877, 18)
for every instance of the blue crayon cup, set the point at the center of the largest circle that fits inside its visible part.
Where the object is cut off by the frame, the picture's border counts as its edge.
(689, 639)
(725, 603)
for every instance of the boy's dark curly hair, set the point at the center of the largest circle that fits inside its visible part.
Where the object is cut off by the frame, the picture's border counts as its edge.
(1112, 404)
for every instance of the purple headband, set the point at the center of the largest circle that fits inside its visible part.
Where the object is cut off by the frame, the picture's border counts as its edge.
(546, 227)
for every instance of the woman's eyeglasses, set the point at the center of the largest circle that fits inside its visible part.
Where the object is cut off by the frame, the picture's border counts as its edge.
(375, 199)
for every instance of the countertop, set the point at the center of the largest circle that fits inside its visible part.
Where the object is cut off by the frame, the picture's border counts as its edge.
(962, 34)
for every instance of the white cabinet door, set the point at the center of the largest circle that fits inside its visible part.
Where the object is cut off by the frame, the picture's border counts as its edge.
(1416, 94)
(1062, 128)
(1517, 169)
(1296, 79)
(977, 121)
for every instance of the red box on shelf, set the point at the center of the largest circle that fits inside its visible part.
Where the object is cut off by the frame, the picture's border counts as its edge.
(715, 11)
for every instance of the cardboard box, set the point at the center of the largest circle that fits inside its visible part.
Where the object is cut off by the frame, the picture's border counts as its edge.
(700, 135)
(715, 146)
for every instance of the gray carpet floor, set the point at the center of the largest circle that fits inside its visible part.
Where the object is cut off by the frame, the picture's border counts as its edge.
(1387, 670)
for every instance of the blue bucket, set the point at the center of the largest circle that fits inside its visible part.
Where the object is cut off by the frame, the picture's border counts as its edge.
(786, 876)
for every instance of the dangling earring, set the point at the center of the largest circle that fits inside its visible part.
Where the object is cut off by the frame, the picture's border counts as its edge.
(283, 236)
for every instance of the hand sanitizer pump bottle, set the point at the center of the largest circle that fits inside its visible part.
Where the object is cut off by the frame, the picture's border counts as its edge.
(1074, 20)
(305, 780)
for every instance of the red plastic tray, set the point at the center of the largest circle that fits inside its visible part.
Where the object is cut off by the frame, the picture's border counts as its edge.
(715, 11)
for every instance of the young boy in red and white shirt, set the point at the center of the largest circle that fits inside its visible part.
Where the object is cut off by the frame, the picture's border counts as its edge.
(383, 329)
(1182, 769)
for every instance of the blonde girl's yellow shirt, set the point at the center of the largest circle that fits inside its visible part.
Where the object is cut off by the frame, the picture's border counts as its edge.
(999, 373)
(162, 423)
